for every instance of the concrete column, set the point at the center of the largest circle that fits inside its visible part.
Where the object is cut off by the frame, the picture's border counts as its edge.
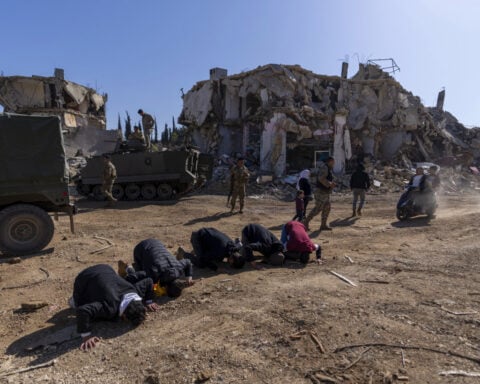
(273, 147)
(441, 99)
(339, 143)
(344, 70)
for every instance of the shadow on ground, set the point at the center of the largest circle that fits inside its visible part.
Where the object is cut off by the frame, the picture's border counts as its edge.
(50, 343)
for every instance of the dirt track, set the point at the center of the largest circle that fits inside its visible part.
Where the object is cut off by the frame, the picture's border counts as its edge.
(236, 327)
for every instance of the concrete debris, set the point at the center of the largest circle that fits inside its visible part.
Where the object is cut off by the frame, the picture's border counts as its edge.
(81, 109)
(286, 118)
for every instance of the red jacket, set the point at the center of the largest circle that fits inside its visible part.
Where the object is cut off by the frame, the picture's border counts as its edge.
(298, 240)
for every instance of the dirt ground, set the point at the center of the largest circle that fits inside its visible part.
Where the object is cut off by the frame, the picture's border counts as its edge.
(418, 285)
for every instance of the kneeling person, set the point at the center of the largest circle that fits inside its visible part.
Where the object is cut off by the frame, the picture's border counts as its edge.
(298, 243)
(257, 238)
(99, 293)
(211, 246)
(153, 260)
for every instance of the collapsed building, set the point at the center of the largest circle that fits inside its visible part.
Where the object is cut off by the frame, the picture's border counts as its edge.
(81, 109)
(286, 118)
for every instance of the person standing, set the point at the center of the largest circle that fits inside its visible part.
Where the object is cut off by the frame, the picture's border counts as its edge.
(359, 184)
(148, 124)
(239, 178)
(299, 206)
(304, 184)
(109, 176)
(324, 188)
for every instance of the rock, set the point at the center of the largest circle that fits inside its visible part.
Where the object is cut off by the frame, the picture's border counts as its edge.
(33, 306)
(204, 376)
(15, 260)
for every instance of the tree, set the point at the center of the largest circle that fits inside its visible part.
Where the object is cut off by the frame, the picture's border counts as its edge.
(119, 124)
(128, 125)
(156, 130)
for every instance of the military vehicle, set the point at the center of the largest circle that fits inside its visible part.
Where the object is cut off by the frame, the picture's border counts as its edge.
(33, 181)
(147, 175)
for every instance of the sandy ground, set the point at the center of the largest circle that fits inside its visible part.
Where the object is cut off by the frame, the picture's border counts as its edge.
(418, 285)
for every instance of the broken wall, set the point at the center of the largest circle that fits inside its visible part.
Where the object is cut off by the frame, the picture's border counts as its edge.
(81, 109)
(297, 111)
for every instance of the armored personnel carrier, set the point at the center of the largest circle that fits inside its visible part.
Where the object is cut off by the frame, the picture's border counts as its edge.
(147, 175)
(33, 182)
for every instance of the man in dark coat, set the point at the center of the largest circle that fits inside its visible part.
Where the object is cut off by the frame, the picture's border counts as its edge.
(359, 184)
(257, 238)
(210, 246)
(153, 260)
(99, 293)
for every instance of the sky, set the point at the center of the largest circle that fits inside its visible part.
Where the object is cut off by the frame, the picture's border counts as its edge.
(143, 52)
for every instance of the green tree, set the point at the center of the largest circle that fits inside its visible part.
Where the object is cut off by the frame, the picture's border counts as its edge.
(128, 125)
(156, 130)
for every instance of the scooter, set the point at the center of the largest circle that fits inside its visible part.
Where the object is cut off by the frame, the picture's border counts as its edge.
(414, 204)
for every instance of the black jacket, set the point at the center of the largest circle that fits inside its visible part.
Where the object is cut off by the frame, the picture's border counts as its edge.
(305, 186)
(211, 246)
(360, 179)
(98, 292)
(158, 263)
(257, 238)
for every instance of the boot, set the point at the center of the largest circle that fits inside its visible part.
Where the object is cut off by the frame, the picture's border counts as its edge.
(241, 209)
(122, 268)
(324, 226)
(354, 213)
(180, 253)
(305, 223)
(359, 211)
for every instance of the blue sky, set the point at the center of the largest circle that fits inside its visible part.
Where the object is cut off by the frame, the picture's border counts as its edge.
(142, 52)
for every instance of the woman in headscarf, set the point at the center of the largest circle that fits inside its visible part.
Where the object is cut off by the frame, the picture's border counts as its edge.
(303, 183)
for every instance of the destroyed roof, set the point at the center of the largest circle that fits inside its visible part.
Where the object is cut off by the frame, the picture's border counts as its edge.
(300, 108)
(23, 94)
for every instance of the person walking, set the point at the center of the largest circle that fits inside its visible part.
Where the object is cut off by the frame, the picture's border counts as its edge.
(303, 183)
(239, 178)
(324, 188)
(359, 184)
(109, 176)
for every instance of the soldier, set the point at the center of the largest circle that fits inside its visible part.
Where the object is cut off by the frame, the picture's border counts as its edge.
(239, 178)
(324, 187)
(153, 260)
(100, 294)
(109, 176)
(148, 123)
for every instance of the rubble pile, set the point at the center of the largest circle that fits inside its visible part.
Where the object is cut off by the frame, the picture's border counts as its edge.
(287, 118)
(81, 109)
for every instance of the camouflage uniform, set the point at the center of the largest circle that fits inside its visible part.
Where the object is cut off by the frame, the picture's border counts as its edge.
(239, 179)
(322, 196)
(109, 176)
(147, 124)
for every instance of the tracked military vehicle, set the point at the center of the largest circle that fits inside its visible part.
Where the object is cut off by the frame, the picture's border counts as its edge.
(145, 175)
(33, 182)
